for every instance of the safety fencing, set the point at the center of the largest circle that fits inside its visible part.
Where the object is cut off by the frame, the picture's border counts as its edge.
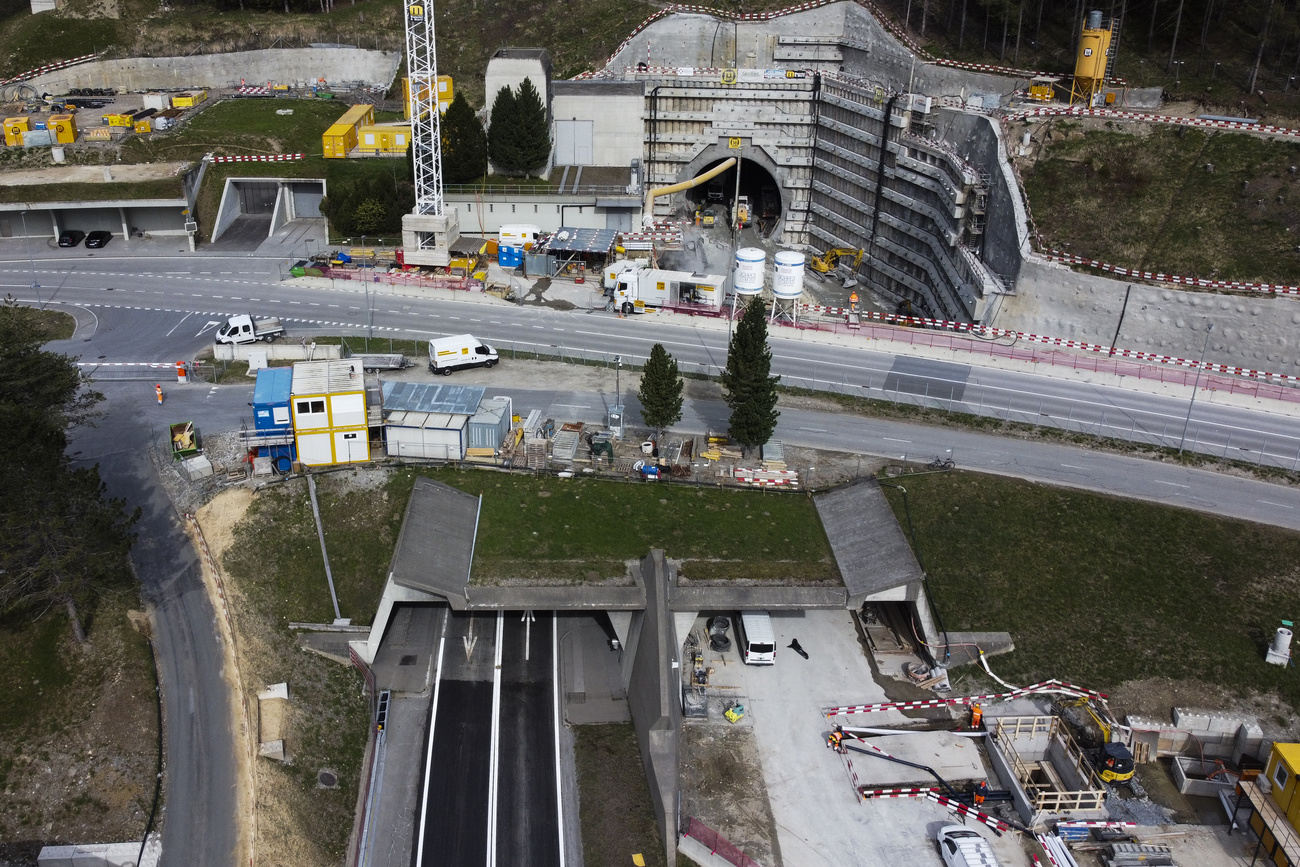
(1117, 114)
(129, 371)
(270, 158)
(718, 844)
(50, 67)
(1046, 686)
(402, 278)
(1161, 277)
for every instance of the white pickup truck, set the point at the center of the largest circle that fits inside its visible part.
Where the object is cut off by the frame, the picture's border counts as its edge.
(245, 329)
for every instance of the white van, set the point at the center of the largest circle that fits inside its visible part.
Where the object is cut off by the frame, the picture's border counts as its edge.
(520, 235)
(449, 354)
(964, 847)
(755, 638)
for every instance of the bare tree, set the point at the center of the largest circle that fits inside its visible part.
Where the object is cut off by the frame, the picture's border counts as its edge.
(1151, 31)
(1259, 53)
(961, 34)
(1178, 22)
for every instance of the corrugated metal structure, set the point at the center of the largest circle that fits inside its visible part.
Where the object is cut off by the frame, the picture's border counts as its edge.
(489, 427)
(329, 412)
(424, 420)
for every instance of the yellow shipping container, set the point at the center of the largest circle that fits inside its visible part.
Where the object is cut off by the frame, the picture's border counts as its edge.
(125, 120)
(190, 99)
(445, 95)
(15, 129)
(358, 115)
(143, 126)
(63, 128)
(388, 140)
(339, 140)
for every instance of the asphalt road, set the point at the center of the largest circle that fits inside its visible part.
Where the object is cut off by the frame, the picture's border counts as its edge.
(491, 786)
(199, 826)
(150, 303)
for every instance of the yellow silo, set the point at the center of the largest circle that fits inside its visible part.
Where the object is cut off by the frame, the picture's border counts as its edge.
(1090, 65)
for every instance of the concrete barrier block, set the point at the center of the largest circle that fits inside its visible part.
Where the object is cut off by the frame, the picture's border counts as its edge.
(1190, 720)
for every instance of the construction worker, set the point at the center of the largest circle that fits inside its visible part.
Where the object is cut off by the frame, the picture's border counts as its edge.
(976, 716)
(981, 792)
(158, 390)
(835, 741)
(853, 301)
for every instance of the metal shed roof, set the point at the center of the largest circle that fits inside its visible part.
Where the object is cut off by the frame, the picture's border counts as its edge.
(431, 397)
(568, 240)
(274, 385)
(327, 377)
(427, 420)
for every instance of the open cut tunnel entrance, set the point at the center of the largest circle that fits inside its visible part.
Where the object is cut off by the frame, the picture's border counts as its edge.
(758, 189)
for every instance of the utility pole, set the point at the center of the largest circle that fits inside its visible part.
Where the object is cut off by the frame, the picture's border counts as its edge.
(1200, 365)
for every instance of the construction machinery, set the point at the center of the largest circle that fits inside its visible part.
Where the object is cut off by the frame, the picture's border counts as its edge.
(828, 261)
(1113, 761)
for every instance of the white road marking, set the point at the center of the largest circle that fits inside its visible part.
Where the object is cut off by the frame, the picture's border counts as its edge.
(428, 759)
(494, 755)
(1279, 505)
(892, 440)
(1171, 484)
(1073, 467)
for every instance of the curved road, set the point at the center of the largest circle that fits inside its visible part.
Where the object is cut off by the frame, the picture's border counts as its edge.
(162, 308)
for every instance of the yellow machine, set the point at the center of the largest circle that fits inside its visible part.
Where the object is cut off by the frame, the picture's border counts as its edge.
(826, 262)
(1113, 762)
(1090, 65)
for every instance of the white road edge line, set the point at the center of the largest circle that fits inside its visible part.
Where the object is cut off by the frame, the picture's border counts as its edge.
(428, 759)
(555, 697)
(495, 754)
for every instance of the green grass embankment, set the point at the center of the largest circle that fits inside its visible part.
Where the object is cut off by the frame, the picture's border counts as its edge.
(1099, 590)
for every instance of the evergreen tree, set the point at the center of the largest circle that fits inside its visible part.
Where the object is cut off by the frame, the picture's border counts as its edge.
(61, 540)
(748, 386)
(661, 390)
(534, 131)
(464, 144)
(503, 132)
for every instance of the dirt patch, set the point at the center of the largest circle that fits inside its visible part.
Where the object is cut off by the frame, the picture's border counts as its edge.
(326, 721)
(719, 766)
(78, 762)
(614, 797)
(92, 174)
(1155, 698)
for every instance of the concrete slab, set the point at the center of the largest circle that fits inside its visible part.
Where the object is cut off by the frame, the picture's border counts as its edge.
(590, 672)
(953, 758)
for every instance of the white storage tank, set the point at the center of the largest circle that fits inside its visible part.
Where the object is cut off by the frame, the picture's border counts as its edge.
(787, 282)
(750, 265)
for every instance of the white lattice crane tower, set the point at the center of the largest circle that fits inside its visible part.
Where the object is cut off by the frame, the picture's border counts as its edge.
(429, 229)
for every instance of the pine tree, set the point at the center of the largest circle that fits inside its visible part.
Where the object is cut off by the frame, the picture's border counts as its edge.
(503, 132)
(661, 390)
(534, 131)
(464, 144)
(748, 386)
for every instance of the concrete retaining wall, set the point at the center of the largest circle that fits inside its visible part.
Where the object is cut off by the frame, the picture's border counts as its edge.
(654, 699)
(1255, 331)
(281, 65)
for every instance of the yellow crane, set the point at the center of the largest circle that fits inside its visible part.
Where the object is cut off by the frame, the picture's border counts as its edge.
(826, 262)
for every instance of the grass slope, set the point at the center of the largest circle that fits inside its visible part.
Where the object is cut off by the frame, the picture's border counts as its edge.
(1148, 201)
(572, 530)
(615, 813)
(1099, 590)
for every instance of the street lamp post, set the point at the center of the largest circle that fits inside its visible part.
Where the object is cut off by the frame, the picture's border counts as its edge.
(31, 262)
(1195, 387)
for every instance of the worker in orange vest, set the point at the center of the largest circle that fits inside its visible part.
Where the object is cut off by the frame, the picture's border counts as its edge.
(976, 716)
(853, 300)
(158, 389)
(833, 741)
(981, 792)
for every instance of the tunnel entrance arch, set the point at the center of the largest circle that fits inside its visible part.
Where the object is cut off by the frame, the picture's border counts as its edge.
(760, 183)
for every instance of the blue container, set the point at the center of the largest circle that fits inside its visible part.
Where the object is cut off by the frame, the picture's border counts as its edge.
(510, 257)
(271, 415)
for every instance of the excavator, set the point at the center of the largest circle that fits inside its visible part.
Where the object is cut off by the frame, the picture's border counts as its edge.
(827, 262)
(1112, 761)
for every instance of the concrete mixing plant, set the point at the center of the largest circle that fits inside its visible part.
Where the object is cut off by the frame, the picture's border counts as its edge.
(1094, 62)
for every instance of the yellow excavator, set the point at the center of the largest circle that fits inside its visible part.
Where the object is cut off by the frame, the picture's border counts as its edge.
(826, 262)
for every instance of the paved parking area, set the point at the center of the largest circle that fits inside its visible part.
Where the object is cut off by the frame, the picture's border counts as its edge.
(819, 819)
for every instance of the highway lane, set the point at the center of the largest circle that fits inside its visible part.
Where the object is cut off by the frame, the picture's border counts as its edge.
(199, 300)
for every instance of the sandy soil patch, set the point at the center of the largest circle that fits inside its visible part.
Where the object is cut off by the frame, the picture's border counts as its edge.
(92, 174)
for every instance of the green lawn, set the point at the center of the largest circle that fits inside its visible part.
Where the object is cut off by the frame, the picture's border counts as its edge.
(1149, 202)
(1099, 590)
(571, 530)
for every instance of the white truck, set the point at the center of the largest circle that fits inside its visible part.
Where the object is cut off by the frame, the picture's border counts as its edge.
(449, 354)
(245, 329)
(633, 288)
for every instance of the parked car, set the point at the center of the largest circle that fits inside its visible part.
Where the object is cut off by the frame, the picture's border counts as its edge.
(71, 238)
(98, 238)
(963, 847)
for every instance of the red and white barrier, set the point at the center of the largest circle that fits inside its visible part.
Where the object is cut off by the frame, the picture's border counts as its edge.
(50, 67)
(1161, 277)
(253, 91)
(273, 158)
(1117, 114)
(1046, 686)
(961, 809)
(867, 794)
